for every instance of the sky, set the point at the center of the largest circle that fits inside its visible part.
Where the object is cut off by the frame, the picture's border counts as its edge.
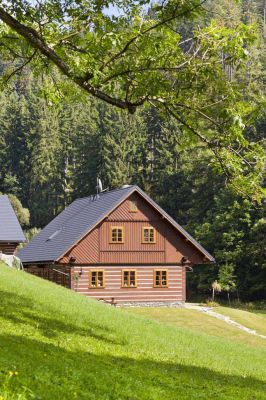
(112, 10)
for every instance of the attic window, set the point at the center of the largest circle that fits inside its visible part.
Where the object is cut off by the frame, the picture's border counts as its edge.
(133, 206)
(117, 234)
(54, 234)
(148, 234)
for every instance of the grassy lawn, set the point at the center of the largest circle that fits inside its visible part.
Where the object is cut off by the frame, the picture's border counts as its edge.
(253, 320)
(199, 322)
(56, 344)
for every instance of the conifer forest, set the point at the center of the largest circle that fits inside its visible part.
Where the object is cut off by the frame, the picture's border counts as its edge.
(183, 117)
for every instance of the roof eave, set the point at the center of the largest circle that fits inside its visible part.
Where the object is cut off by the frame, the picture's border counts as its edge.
(177, 226)
(37, 262)
(13, 241)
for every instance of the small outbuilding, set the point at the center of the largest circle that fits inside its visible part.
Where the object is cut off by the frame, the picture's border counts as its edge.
(118, 246)
(11, 234)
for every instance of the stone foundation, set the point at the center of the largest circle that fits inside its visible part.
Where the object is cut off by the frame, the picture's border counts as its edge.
(151, 304)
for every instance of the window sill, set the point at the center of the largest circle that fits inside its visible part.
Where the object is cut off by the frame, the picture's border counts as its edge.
(161, 287)
(128, 287)
(99, 287)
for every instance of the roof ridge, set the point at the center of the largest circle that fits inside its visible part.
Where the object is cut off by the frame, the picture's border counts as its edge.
(106, 192)
(87, 205)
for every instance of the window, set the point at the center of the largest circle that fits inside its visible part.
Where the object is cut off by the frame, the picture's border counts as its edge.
(53, 235)
(117, 234)
(133, 206)
(148, 234)
(96, 279)
(160, 278)
(129, 278)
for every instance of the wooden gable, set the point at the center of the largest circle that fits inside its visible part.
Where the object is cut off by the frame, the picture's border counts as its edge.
(170, 246)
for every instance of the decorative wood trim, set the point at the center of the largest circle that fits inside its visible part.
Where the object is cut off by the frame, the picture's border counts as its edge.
(142, 234)
(117, 264)
(154, 278)
(122, 278)
(99, 243)
(144, 221)
(153, 250)
(133, 206)
(111, 236)
(90, 276)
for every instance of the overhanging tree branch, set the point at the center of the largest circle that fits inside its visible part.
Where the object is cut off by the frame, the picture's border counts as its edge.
(36, 41)
(20, 68)
(151, 28)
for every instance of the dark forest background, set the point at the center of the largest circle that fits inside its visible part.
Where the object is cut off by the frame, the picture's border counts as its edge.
(52, 150)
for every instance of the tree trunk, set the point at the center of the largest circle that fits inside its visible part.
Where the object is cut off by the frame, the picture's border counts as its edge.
(228, 295)
(237, 294)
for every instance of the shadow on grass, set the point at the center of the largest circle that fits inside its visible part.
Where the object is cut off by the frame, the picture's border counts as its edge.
(87, 370)
(16, 308)
(51, 372)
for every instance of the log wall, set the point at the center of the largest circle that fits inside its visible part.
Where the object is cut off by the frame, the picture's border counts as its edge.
(8, 248)
(142, 293)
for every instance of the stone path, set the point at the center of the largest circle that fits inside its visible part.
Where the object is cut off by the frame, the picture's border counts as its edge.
(228, 320)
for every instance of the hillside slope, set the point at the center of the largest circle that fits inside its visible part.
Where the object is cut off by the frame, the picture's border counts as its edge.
(56, 344)
(251, 320)
(198, 322)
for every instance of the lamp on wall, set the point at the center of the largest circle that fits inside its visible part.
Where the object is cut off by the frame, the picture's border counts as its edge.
(185, 260)
(72, 259)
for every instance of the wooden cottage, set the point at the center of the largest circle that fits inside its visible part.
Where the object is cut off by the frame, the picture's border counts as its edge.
(118, 246)
(11, 234)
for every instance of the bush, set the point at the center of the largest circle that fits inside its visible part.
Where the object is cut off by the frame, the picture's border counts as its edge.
(211, 303)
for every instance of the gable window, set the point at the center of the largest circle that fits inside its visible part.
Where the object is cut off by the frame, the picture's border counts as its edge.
(96, 279)
(117, 234)
(160, 278)
(148, 234)
(133, 206)
(129, 278)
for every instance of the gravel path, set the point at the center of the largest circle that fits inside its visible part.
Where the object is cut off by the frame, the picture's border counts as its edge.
(228, 320)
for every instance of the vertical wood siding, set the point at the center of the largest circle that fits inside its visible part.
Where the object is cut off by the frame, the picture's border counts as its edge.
(145, 212)
(86, 251)
(170, 245)
(144, 290)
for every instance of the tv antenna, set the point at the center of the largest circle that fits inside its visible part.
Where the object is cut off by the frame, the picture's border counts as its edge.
(99, 186)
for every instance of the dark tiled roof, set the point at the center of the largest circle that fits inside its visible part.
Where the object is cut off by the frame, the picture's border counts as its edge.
(71, 225)
(10, 229)
(78, 219)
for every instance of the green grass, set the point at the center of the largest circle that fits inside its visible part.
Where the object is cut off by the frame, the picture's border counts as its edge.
(203, 323)
(56, 344)
(252, 320)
